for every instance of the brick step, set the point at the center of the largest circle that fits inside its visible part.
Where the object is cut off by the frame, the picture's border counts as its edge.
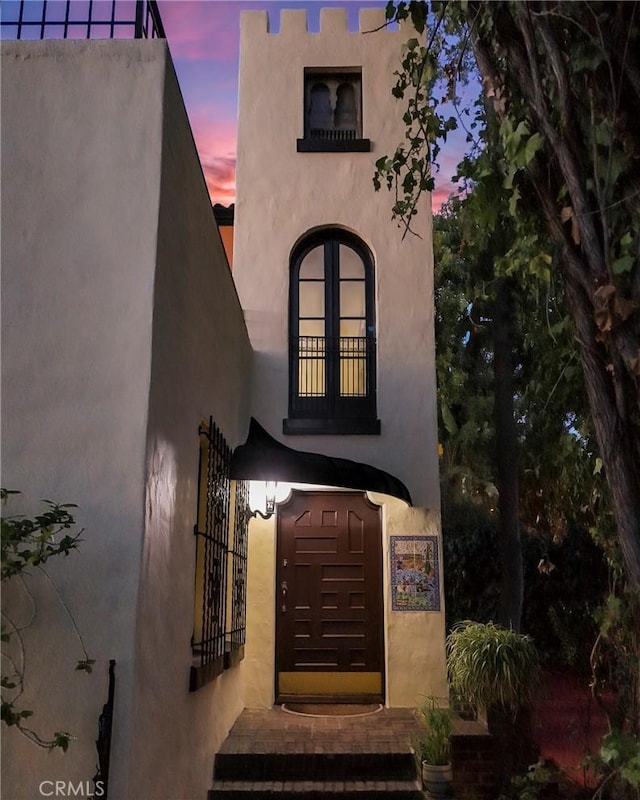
(345, 766)
(317, 790)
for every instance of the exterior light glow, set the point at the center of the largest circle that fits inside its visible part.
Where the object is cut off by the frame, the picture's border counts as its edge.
(263, 493)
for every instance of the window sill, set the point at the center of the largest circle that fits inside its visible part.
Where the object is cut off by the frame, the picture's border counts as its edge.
(205, 673)
(325, 427)
(335, 146)
(233, 656)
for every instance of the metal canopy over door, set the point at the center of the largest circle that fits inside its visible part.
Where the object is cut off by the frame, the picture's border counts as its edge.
(329, 642)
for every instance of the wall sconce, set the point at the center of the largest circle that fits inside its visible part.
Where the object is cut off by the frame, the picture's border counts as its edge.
(269, 494)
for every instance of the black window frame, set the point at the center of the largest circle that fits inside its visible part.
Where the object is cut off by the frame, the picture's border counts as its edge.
(333, 140)
(333, 412)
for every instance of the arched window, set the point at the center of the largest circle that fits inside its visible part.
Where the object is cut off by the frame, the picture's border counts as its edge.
(320, 114)
(346, 116)
(332, 336)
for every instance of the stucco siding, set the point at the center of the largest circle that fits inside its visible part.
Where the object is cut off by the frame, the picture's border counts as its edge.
(81, 140)
(415, 653)
(201, 366)
(414, 642)
(283, 194)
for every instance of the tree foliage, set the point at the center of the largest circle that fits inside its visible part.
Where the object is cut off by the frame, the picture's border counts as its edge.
(561, 88)
(550, 195)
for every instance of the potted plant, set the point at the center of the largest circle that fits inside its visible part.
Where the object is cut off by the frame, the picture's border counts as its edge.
(432, 748)
(492, 667)
(497, 671)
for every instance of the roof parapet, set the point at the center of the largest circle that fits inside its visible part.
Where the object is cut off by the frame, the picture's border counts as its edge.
(371, 19)
(254, 23)
(333, 20)
(294, 21)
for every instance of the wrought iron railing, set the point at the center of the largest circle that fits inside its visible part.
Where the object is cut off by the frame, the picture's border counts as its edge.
(105, 733)
(333, 135)
(93, 19)
(332, 376)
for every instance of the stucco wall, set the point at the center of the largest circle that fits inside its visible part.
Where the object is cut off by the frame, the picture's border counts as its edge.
(201, 366)
(260, 661)
(415, 653)
(121, 331)
(81, 137)
(282, 194)
(414, 641)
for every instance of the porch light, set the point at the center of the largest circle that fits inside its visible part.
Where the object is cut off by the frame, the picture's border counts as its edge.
(263, 493)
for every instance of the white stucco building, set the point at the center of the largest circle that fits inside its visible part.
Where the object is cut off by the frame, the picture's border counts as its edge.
(158, 390)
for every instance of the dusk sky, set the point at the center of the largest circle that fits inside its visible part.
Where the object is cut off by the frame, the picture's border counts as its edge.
(203, 38)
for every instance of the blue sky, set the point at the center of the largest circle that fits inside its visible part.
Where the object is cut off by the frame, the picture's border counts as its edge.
(203, 37)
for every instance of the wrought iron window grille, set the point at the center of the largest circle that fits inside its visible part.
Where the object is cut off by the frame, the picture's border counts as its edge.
(236, 635)
(221, 556)
(212, 538)
(95, 19)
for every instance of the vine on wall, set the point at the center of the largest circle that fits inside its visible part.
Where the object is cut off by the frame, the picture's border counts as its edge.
(27, 544)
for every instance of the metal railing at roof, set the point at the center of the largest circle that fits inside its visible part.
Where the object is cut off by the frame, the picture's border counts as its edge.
(81, 19)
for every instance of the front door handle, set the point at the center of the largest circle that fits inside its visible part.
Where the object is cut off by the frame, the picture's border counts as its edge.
(284, 588)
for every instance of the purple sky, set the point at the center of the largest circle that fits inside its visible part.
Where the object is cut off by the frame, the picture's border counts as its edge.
(203, 37)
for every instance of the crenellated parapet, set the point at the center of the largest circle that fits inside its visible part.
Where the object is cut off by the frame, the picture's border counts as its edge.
(333, 21)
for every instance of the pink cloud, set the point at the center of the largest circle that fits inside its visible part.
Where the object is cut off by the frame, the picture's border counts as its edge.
(215, 140)
(220, 175)
(204, 40)
(439, 196)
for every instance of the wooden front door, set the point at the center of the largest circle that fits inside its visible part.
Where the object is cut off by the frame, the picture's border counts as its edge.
(329, 637)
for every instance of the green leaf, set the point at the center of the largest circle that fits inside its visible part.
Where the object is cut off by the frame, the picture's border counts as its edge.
(623, 264)
(627, 240)
(448, 419)
(61, 740)
(418, 15)
(534, 143)
(513, 201)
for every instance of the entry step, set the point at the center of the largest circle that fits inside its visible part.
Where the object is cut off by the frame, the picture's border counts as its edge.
(316, 790)
(294, 768)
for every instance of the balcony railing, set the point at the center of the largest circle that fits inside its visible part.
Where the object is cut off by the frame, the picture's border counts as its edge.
(333, 134)
(332, 377)
(92, 19)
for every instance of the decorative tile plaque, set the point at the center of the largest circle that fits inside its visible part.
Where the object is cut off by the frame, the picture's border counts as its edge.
(415, 573)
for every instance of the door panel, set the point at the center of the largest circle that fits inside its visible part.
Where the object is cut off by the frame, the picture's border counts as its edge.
(329, 585)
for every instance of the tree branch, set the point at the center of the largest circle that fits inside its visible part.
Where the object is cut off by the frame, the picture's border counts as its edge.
(531, 83)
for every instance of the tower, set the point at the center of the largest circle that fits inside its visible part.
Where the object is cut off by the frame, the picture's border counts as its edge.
(339, 309)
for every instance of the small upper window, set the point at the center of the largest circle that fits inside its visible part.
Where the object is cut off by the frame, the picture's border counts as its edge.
(332, 111)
